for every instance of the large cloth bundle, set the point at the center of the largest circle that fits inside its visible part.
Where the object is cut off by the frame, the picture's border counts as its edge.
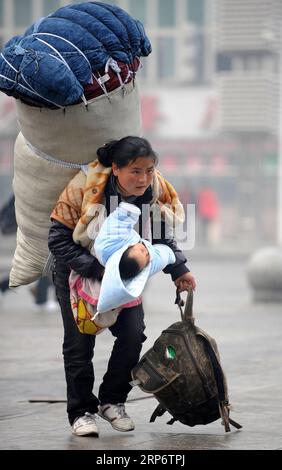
(49, 151)
(73, 73)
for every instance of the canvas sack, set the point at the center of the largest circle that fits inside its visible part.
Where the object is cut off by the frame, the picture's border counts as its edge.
(49, 151)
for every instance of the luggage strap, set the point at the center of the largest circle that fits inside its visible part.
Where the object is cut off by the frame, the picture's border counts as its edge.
(226, 420)
(159, 411)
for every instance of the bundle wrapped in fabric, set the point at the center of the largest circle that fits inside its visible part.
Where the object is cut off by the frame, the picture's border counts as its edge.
(60, 54)
(73, 73)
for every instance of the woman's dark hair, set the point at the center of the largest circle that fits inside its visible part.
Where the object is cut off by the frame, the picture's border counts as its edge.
(128, 267)
(126, 150)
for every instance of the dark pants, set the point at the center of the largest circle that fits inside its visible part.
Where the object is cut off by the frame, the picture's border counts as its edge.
(78, 351)
(4, 285)
(41, 290)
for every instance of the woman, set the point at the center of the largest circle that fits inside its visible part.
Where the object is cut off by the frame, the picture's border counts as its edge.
(125, 171)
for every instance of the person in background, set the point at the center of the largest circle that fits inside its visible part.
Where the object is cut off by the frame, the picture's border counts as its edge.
(8, 226)
(39, 291)
(208, 211)
(43, 294)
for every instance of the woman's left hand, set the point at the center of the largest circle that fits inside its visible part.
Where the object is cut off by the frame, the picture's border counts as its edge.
(185, 282)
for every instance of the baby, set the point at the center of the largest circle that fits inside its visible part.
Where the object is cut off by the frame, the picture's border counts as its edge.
(133, 260)
(129, 262)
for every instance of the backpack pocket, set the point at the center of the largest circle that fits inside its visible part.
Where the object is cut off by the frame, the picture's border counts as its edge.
(151, 379)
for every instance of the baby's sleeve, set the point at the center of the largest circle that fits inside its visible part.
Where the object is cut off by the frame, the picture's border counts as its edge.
(161, 256)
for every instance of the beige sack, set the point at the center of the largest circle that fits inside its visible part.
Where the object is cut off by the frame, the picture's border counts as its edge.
(48, 151)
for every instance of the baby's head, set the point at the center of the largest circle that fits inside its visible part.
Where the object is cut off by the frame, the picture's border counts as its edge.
(133, 260)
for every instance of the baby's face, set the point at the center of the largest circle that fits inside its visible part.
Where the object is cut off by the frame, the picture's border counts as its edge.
(140, 253)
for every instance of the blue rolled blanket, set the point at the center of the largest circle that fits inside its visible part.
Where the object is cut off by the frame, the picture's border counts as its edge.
(59, 54)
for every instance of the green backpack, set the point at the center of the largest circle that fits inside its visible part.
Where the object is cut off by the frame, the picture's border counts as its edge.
(182, 370)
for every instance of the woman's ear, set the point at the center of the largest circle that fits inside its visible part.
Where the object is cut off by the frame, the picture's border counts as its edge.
(115, 169)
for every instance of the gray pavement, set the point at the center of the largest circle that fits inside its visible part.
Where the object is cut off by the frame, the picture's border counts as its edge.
(248, 337)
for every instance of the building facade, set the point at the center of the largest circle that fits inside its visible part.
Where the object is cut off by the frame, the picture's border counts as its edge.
(247, 42)
(177, 29)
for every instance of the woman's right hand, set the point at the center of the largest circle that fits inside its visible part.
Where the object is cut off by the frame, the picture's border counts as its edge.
(185, 282)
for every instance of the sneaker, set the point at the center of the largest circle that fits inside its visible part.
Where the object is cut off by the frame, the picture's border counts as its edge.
(52, 305)
(116, 415)
(85, 425)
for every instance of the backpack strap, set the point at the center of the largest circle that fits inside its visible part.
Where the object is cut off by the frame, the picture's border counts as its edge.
(235, 424)
(222, 392)
(224, 416)
(226, 420)
(179, 302)
(159, 411)
(187, 315)
(188, 310)
(171, 421)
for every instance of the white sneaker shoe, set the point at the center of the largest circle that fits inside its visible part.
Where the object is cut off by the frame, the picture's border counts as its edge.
(85, 426)
(52, 306)
(116, 415)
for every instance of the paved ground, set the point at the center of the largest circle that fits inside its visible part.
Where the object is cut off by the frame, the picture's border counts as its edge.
(248, 336)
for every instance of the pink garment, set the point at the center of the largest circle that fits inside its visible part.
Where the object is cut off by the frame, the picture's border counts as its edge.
(89, 289)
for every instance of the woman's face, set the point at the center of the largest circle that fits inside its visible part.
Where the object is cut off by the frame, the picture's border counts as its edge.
(136, 177)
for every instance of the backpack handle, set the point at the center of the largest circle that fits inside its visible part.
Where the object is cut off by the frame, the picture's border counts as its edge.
(187, 315)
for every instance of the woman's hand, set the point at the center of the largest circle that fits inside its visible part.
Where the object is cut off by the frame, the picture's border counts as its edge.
(185, 282)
